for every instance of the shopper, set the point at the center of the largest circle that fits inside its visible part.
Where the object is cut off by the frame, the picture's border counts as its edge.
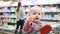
(33, 25)
(20, 18)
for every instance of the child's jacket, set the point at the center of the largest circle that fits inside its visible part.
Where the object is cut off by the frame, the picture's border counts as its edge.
(31, 28)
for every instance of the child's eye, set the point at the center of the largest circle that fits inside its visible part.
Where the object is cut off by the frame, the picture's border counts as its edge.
(34, 13)
(38, 13)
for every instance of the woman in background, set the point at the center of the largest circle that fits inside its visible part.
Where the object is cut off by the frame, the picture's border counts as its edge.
(20, 19)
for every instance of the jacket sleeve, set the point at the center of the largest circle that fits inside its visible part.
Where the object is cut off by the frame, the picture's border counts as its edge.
(28, 27)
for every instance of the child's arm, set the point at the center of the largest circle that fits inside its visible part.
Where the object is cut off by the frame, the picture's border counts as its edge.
(27, 26)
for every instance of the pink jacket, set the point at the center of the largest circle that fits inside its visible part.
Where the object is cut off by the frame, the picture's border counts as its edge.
(28, 27)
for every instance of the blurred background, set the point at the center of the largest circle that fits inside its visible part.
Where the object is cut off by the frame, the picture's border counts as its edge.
(8, 16)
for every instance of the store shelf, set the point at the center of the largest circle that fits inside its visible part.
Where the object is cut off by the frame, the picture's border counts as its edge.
(52, 13)
(12, 16)
(11, 23)
(56, 12)
(52, 19)
(6, 11)
(8, 16)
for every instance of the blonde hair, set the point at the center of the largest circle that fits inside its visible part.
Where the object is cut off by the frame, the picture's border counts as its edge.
(36, 8)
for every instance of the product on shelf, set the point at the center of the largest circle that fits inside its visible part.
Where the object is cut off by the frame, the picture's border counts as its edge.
(1, 24)
(13, 9)
(6, 9)
(8, 3)
(57, 16)
(12, 20)
(5, 19)
(50, 9)
(1, 10)
(5, 25)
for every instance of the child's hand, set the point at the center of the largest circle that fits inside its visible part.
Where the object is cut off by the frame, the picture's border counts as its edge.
(30, 19)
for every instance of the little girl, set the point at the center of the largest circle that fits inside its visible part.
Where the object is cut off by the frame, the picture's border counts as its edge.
(32, 24)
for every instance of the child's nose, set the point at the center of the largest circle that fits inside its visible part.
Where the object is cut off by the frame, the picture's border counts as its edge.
(37, 15)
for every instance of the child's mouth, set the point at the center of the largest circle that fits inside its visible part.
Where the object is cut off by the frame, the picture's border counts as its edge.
(36, 18)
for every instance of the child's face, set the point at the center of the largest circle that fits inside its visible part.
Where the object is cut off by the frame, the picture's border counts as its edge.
(36, 15)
